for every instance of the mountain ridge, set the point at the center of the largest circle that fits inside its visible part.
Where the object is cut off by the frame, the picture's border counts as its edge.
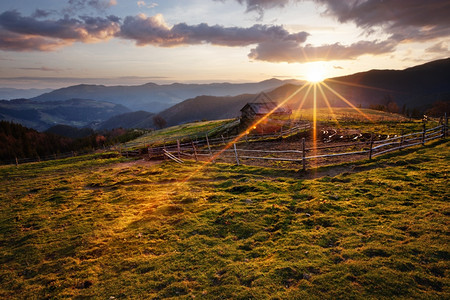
(154, 98)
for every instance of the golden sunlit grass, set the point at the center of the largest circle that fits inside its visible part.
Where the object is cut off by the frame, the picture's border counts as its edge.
(97, 227)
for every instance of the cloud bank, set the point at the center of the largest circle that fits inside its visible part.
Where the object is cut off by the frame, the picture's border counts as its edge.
(292, 53)
(418, 21)
(18, 33)
(154, 31)
(273, 43)
(412, 20)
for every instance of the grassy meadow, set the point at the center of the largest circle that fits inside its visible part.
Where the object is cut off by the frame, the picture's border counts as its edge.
(171, 134)
(109, 228)
(365, 121)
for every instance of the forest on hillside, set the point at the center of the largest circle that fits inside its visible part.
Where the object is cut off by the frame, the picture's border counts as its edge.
(17, 141)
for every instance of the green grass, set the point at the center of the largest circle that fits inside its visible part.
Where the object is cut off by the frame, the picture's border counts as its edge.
(171, 134)
(349, 114)
(95, 227)
(373, 121)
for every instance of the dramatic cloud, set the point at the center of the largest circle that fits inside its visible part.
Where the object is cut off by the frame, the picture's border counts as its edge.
(154, 31)
(403, 21)
(271, 43)
(412, 20)
(28, 33)
(291, 52)
(19, 42)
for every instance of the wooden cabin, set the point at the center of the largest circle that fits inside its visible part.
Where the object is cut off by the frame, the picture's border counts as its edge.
(263, 108)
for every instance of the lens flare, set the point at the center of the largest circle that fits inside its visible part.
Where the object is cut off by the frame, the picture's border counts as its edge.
(315, 76)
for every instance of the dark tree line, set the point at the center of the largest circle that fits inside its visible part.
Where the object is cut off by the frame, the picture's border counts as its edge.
(17, 141)
(437, 109)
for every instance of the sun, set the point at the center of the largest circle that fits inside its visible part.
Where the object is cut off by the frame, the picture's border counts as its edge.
(315, 72)
(315, 75)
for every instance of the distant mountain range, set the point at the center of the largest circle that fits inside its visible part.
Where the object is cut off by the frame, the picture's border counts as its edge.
(10, 93)
(106, 107)
(73, 112)
(154, 98)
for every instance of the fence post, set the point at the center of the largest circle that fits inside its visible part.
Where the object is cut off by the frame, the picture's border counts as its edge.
(17, 162)
(445, 125)
(371, 146)
(401, 138)
(423, 134)
(195, 151)
(178, 148)
(236, 154)
(209, 148)
(303, 154)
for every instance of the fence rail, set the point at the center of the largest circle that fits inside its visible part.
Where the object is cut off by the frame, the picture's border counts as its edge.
(371, 148)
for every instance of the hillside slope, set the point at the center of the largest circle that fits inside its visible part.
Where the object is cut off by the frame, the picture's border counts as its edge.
(136, 119)
(206, 108)
(416, 87)
(43, 115)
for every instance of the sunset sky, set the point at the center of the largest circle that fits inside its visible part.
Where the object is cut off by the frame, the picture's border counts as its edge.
(57, 43)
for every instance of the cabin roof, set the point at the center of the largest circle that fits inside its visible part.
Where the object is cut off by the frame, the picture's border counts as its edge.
(265, 108)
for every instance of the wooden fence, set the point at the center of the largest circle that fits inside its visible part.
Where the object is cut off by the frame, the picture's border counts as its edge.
(243, 153)
(198, 140)
(240, 150)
